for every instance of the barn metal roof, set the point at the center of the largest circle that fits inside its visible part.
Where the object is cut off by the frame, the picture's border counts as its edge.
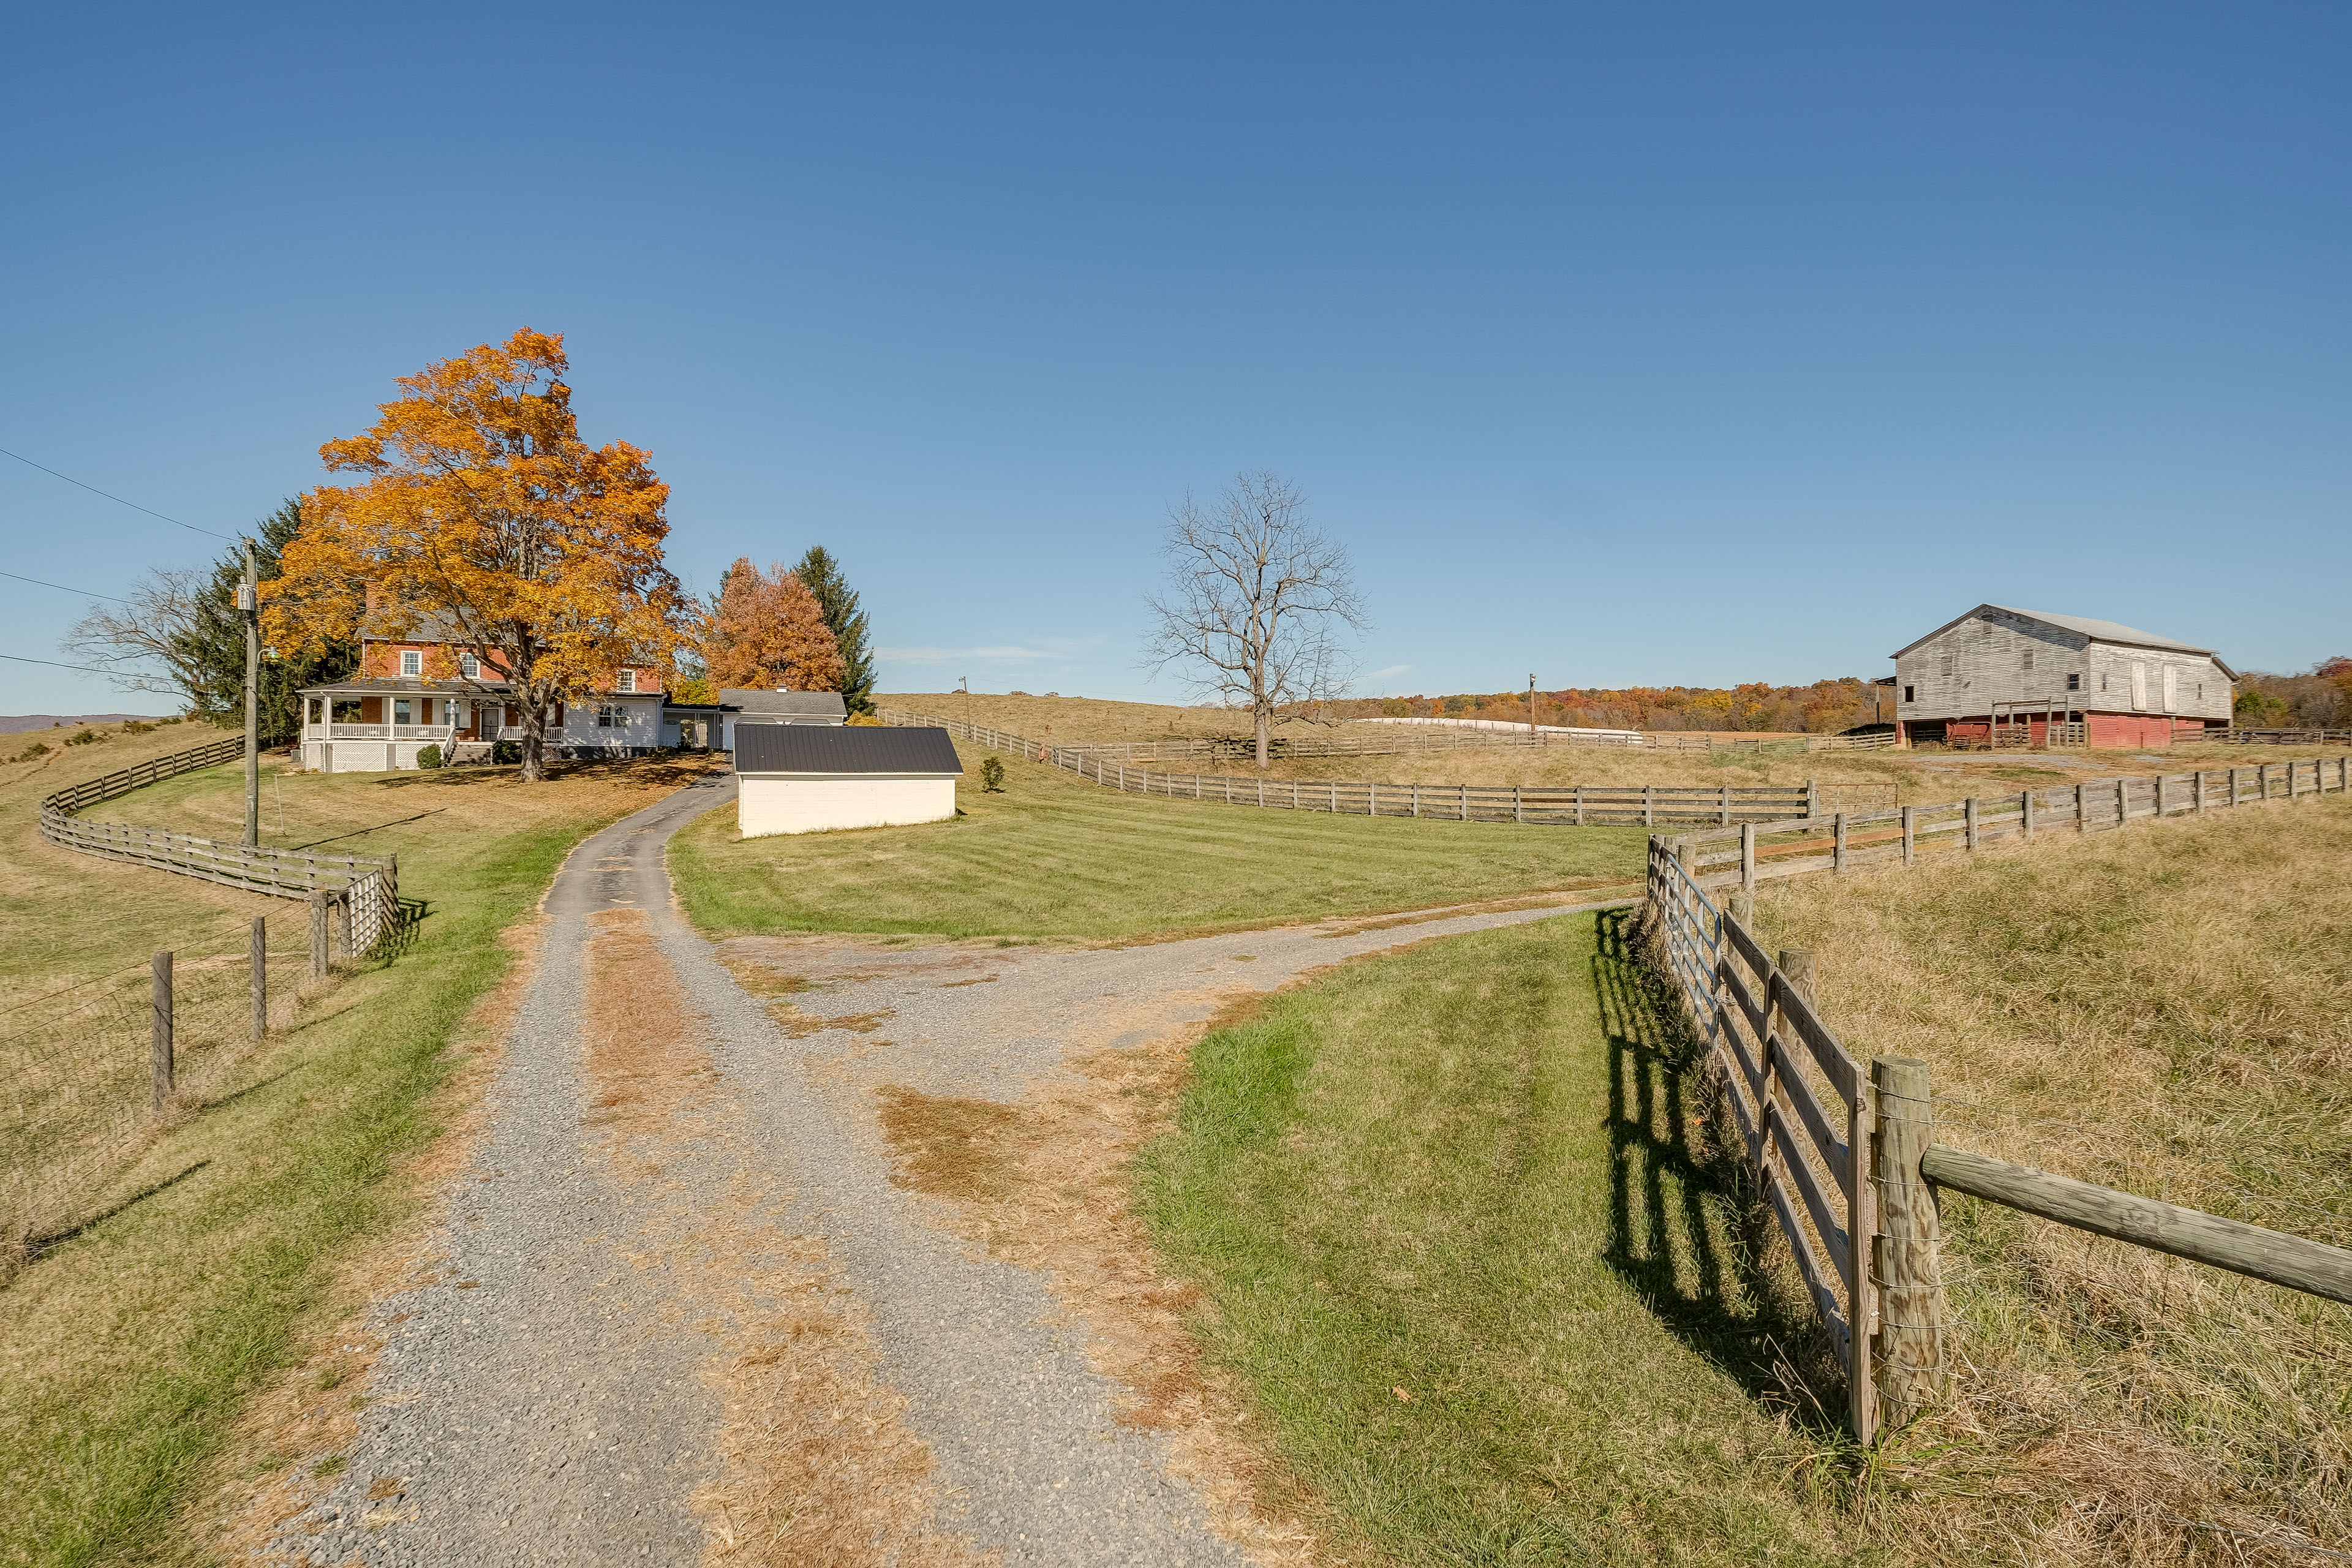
(2084, 625)
(843, 749)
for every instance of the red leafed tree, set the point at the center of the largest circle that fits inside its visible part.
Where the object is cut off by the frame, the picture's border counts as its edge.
(767, 631)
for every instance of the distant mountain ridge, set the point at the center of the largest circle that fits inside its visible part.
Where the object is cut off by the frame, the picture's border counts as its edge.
(17, 723)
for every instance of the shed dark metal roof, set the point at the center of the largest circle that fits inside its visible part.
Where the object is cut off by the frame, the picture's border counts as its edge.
(843, 749)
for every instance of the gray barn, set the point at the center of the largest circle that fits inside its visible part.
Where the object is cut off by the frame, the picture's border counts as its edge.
(2007, 675)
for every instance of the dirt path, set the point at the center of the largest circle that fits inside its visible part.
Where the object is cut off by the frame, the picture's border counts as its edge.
(689, 1310)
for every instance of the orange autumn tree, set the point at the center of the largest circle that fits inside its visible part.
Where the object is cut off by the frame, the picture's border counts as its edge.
(767, 631)
(485, 512)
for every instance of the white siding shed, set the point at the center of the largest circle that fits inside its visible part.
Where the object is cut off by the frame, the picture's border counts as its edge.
(819, 778)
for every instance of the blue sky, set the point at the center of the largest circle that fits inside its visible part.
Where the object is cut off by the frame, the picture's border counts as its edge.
(1667, 344)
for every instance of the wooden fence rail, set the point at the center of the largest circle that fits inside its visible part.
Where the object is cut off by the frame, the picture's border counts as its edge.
(365, 888)
(1844, 841)
(1577, 806)
(1846, 1159)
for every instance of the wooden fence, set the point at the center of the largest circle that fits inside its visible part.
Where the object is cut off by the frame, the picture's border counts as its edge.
(1847, 1162)
(1353, 739)
(1843, 841)
(363, 890)
(1576, 805)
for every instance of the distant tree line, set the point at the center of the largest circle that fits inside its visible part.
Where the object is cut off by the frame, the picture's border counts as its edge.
(1824, 708)
(2319, 698)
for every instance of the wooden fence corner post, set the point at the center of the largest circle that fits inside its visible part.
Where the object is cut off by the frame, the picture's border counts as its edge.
(1910, 835)
(259, 961)
(1748, 858)
(1909, 1358)
(160, 1050)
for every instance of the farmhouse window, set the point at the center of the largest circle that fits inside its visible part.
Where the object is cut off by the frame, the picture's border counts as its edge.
(1906, 694)
(612, 716)
(469, 667)
(628, 681)
(2074, 681)
(411, 662)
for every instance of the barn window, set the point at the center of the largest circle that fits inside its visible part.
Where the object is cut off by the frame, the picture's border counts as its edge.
(2074, 681)
(2028, 656)
(2102, 680)
(1906, 694)
(411, 662)
(1947, 667)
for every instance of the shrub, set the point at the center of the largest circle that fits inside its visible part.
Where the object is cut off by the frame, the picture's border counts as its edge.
(429, 757)
(134, 727)
(862, 719)
(992, 775)
(37, 749)
(506, 751)
(84, 738)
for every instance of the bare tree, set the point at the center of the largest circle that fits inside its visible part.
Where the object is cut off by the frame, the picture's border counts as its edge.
(1254, 599)
(146, 642)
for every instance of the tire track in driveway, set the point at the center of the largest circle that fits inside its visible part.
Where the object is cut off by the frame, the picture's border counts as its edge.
(688, 1313)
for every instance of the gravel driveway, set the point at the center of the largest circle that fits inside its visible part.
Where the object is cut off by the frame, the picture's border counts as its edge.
(559, 1393)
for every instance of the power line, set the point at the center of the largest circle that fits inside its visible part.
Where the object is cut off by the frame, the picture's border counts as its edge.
(93, 490)
(61, 588)
(53, 663)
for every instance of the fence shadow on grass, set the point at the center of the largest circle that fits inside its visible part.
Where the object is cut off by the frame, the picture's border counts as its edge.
(1684, 1230)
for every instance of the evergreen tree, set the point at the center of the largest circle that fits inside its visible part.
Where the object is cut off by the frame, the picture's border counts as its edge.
(213, 645)
(821, 574)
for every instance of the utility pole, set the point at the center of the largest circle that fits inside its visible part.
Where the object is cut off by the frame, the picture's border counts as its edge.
(248, 601)
(1531, 707)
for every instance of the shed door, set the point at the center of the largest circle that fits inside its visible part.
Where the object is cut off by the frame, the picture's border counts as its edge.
(2171, 689)
(2140, 687)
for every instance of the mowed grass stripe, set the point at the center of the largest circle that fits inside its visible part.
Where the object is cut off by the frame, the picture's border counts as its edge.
(1052, 857)
(1468, 1252)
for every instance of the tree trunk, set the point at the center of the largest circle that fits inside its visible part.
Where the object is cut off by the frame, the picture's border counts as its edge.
(1264, 732)
(534, 739)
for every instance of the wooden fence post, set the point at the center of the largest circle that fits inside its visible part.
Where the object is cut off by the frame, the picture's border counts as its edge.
(1910, 1345)
(259, 961)
(1726, 807)
(159, 1052)
(2025, 810)
(339, 925)
(1580, 806)
(1969, 812)
(2082, 814)
(1910, 835)
(1837, 853)
(2198, 790)
(319, 957)
(1748, 858)
(1813, 798)
(1463, 811)
(2122, 801)
(1649, 805)
(1519, 806)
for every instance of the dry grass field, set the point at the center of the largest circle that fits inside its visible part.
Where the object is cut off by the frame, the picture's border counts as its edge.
(1913, 777)
(2167, 1010)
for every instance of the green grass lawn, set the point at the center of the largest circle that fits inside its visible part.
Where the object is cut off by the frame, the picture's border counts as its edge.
(126, 1347)
(1051, 857)
(1469, 1170)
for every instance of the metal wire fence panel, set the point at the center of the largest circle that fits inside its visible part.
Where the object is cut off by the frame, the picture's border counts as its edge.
(77, 1076)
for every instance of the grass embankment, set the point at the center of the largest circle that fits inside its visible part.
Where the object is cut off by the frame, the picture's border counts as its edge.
(1462, 1254)
(1054, 857)
(130, 1343)
(2163, 1010)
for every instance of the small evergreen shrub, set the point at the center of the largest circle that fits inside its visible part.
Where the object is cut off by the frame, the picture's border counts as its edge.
(506, 751)
(429, 757)
(992, 775)
(84, 738)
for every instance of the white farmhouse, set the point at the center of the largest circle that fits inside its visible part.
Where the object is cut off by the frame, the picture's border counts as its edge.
(814, 778)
